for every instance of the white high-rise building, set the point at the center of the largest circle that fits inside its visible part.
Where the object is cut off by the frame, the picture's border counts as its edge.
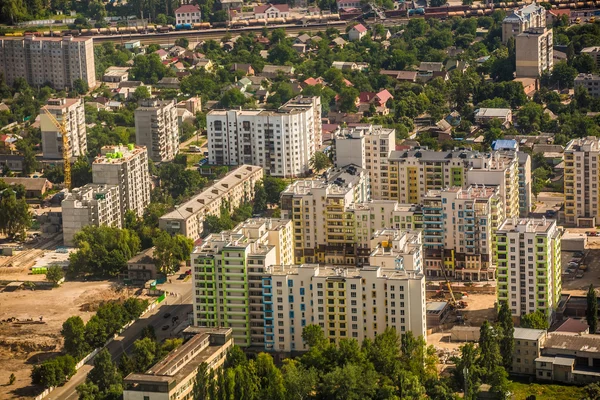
(281, 141)
(91, 204)
(582, 182)
(127, 168)
(517, 22)
(156, 128)
(529, 265)
(72, 112)
(367, 146)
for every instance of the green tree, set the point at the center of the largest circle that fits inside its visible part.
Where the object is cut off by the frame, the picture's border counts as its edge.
(506, 329)
(144, 353)
(15, 217)
(489, 349)
(271, 381)
(88, 391)
(55, 273)
(170, 251)
(73, 332)
(467, 373)
(348, 98)
(299, 381)
(182, 42)
(563, 75)
(319, 161)
(141, 93)
(233, 98)
(200, 391)
(274, 186)
(126, 365)
(54, 372)
(30, 164)
(105, 374)
(534, 320)
(80, 86)
(260, 199)
(591, 311)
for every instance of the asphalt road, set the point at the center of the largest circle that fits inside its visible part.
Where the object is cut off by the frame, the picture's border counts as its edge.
(179, 306)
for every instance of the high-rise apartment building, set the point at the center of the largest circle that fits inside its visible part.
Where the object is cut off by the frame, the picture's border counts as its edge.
(232, 190)
(414, 172)
(59, 61)
(529, 265)
(322, 227)
(367, 146)
(521, 20)
(281, 141)
(534, 52)
(582, 182)
(347, 303)
(591, 83)
(156, 128)
(458, 232)
(227, 276)
(525, 182)
(92, 204)
(127, 168)
(71, 112)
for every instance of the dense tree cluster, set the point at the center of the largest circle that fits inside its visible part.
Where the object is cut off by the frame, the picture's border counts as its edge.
(388, 366)
(15, 217)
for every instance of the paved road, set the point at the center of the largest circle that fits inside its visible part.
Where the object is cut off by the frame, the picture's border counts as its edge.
(179, 306)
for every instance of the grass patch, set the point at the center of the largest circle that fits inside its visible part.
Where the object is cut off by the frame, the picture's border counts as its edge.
(555, 392)
(193, 159)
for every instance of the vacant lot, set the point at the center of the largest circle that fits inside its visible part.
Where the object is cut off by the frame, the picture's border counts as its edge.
(555, 392)
(21, 346)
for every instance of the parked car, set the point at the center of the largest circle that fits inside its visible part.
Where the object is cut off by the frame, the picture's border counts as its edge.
(165, 327)
(167, 315)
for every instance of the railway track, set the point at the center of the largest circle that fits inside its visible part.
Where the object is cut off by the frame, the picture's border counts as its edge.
(24, 258)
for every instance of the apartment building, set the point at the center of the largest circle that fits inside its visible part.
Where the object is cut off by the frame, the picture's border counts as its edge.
(458, 232)
(281, 141)
(582, 181)
(156, 128)
(71, 113)
(227, 277)
(188, 14)
(594, 52)
(232, 190)
(59, 61)
(534, 52)
(525, 184)
(174, 376)
(414, 172)
(92, 204)
(347, 303)
(398, 249)
(529, 265)
(528, 345)
(591, 82)
(367, 146)
(323, 230)
(521, 20)
(127, 168)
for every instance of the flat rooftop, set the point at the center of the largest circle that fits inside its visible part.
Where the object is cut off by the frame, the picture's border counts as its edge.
(118, 154)
(492, 112)
(528, 334)
(336, 180)
(586, 343)
(537, 225)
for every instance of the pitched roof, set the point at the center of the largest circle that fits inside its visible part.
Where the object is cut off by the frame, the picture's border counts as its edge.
(360, 28)
(384, 96)
(280, 7)
(187, 8)
(573, 325)
(30, 184)
(313, 81)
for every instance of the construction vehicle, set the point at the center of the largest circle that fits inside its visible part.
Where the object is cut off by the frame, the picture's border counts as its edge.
(453, 302)
(62, 128)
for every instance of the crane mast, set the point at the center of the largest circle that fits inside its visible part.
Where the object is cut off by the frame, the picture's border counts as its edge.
(62, 128)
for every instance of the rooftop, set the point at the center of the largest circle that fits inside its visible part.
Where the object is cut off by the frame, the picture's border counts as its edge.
(187, 8)
(585, 343)
(590, 143)
(30, 184)
(533, 225)
(117, 154)
(335, 180)
(436, 307)
(492, 112)
(143, 257)
(573, 326)
(528, 334)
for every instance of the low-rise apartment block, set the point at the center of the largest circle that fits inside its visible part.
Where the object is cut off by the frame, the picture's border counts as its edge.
(174, 376)
(281, 141)
(593, 52)
(521, 20)
(71, 113)
(534, 52)
(323, 229)
(227, 274)
(528, 345)
(92, 204)
(347, 303)
(529, 265)
(156, 128)
(582, 182)
(233, 189)
(458, 232)
(367, 146)
(591, 82)
(59, 61)
(127, 168)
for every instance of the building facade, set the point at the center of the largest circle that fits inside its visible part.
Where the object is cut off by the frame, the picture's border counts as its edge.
(233, 189)
(227, 277)
(92, 204)
(528, 345)
(582, 182)
(173, 377)
(591, 82)
(593, 52)
(59, 61)
(369, 147)
(347, 303)
(458, 232)
(71, 112)
(127, 168)
(156, 128)
(521, 20)
(281, 141)
(529, 265)
(188, 14)
(534, 52)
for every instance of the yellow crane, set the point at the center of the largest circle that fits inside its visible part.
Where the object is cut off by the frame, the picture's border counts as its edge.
(62, 128)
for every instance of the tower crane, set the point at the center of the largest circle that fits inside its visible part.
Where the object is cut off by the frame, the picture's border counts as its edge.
(62, 128)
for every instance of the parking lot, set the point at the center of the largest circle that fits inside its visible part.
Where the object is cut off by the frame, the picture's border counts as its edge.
(579, 278)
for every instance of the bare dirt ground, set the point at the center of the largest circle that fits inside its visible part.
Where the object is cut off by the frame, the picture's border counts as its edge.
(21, 346)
